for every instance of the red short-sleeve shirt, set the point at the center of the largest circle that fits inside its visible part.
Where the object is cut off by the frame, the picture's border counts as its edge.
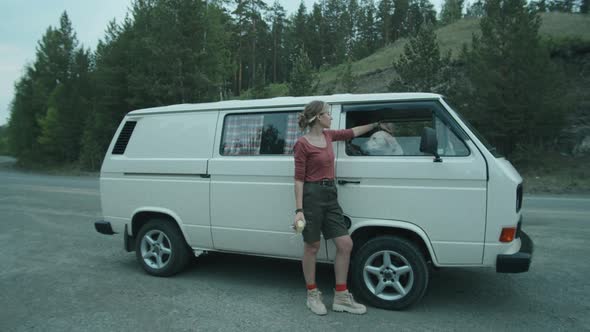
(313, 163)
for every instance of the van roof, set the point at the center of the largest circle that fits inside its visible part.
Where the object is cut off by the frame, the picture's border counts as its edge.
(284, 102)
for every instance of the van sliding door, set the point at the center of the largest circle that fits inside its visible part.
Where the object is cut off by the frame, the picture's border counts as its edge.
(252, 183)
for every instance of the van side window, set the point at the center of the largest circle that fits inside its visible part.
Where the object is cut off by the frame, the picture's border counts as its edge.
(449, 144)
(124, 137)
(402, 134)
(259, 134)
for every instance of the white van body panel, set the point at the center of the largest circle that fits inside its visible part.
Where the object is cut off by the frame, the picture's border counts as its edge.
(163, 173)
(502, 208)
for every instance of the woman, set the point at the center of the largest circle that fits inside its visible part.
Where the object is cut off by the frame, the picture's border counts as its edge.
(316, 203)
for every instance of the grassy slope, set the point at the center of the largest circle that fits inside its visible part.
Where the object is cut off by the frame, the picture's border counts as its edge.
(452, 37)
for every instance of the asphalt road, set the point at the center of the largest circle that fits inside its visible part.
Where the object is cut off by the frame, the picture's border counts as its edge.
(59, 274)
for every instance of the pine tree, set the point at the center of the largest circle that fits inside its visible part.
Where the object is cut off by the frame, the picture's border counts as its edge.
(517, 92)
(30, 102)
(368, 35)
(351, 26)
(451, 11)
(348, 80)
(315, 30)
(249, 22)
(4, 149)
(23, 128)
(278, 47)
(335, 37)
(259, 89)
(51, 135)
(299, 30)
(476, 9)
(421, 67)
(303, 77)
(564, 6)
(216, 61)
(584, 6)
(385, 21)
(399, 20)
(51, 112)
(420, 12)
(538, 6)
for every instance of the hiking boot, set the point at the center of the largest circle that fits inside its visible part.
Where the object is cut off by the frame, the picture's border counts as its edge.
(344, 302)
(314, 302)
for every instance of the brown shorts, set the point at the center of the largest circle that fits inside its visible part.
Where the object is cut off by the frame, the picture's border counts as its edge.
(322, 212)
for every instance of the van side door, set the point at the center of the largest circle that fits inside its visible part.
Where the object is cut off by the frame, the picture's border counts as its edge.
(386, 177)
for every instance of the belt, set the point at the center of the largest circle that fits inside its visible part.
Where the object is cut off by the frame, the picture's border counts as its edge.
(323, 182)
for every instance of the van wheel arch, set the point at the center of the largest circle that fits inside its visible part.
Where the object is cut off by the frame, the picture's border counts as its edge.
(364, 234)
(142, 218)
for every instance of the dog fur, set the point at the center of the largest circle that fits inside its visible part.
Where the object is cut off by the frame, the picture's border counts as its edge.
(381, 143)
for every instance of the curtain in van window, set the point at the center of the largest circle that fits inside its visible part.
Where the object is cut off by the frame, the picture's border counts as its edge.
(242, 135)
(292, 134)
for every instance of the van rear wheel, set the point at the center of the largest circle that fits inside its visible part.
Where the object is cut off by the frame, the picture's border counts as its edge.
(389, 272)
(161, 249)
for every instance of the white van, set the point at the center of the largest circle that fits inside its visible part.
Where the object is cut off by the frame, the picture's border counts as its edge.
(187, 179)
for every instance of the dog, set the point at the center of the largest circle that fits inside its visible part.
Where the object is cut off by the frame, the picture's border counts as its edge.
(382, 143)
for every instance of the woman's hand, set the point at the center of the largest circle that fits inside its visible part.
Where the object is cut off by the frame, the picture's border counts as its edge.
(361, 130)
(298, 216)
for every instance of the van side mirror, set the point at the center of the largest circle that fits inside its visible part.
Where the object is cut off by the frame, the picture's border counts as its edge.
(429, 143)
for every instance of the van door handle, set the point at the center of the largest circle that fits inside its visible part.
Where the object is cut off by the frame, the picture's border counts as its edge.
(341, 182)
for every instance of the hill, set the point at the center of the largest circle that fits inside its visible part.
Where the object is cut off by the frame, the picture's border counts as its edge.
(375, 71)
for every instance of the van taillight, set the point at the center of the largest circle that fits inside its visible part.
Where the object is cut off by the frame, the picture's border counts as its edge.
(507, 234)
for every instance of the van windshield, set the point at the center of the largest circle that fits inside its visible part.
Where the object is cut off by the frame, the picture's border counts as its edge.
(479, 136)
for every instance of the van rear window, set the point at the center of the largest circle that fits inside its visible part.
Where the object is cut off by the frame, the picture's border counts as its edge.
(260, 134)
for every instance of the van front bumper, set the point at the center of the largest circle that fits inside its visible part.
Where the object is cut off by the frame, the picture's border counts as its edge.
(517, 262)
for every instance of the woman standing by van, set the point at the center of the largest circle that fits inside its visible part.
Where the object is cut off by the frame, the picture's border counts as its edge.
(317, 203)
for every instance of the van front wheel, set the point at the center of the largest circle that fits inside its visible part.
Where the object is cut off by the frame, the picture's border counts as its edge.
(161, 249)
(389, 272)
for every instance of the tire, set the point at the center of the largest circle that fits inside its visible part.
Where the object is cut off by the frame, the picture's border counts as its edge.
(161, 249)
(378, 283)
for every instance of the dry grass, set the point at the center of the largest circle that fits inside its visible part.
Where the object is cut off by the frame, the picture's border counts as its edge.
(453, 36)
(562, 25)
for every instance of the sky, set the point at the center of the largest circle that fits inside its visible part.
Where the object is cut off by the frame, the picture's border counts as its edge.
(23, 23)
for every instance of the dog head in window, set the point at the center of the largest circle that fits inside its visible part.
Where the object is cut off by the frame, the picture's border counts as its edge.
(382, 143)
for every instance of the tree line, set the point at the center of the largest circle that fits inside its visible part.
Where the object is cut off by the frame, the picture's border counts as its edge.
(70, 100)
